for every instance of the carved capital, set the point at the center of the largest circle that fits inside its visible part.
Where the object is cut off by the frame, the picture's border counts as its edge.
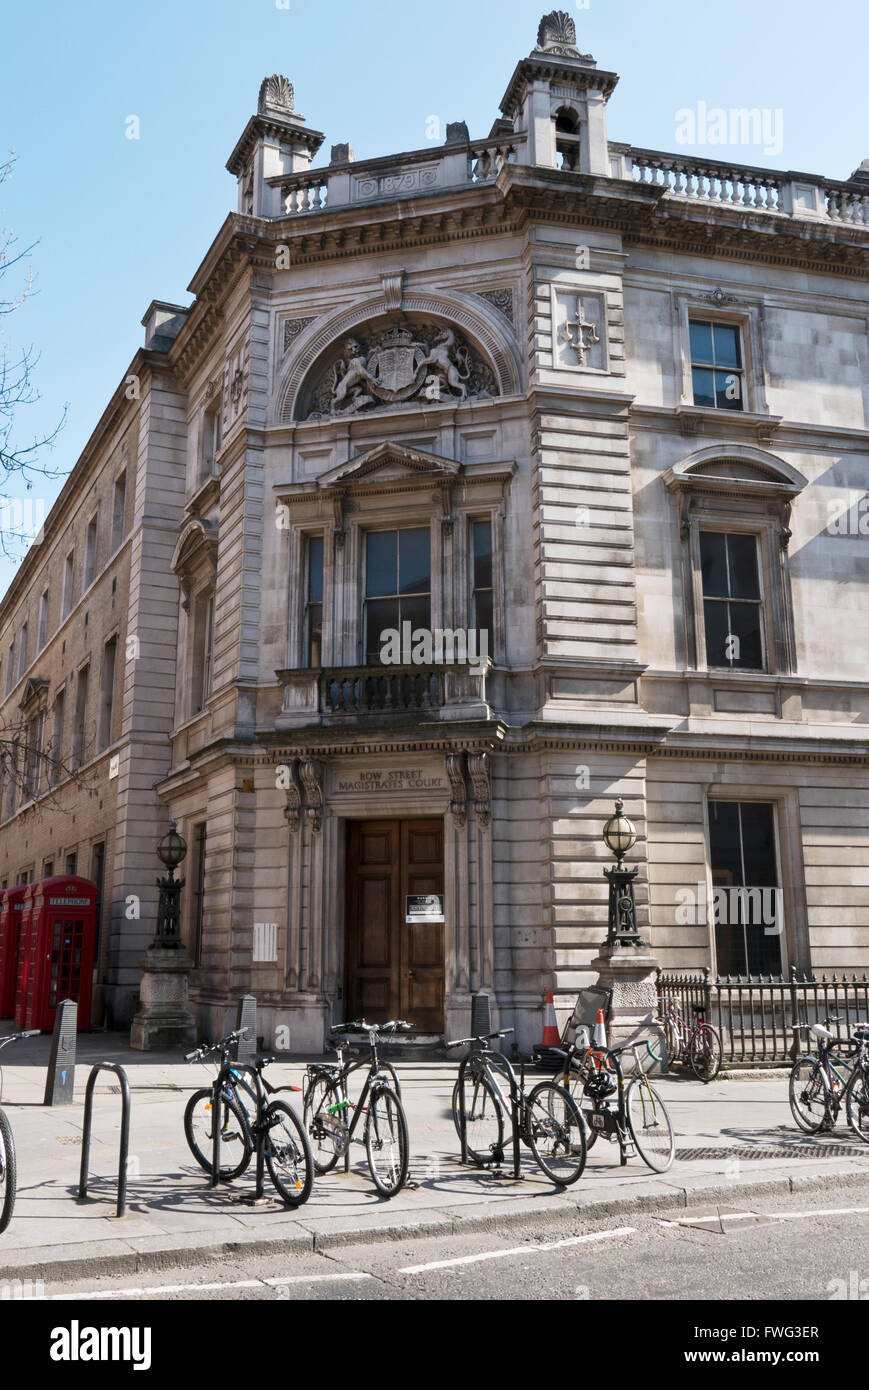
(339, 525)
(478, 767)
(455, 765)
(447, 518)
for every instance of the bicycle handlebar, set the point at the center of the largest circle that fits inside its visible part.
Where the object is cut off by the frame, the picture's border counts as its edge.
(488, 1037)
(16, 1037)
(360, 1026)
(206, 1049)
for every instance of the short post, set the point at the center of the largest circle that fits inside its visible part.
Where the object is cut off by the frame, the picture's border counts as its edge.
(245, 1017)
(60, 1078)
(481, 1015)
(125, 1132)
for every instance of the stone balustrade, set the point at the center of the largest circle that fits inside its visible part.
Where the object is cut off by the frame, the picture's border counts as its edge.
(710, 180)
(359, 692)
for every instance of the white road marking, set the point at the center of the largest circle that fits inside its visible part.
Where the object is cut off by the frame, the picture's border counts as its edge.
(519, 1250)
(163, 1289)
(767, 1215)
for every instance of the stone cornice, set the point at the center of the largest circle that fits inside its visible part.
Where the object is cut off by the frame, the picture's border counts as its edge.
(556, 69)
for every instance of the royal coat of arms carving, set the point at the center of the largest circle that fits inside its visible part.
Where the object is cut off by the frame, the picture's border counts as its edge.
(407, 363)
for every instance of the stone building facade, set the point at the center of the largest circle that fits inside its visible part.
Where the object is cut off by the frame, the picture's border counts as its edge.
(481, 485)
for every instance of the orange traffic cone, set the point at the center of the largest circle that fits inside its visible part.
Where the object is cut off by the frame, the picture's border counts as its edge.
(551, 1035)
(598, 1037)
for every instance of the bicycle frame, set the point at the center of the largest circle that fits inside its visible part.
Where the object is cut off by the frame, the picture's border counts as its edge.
(340, 1074)
(517, 1107)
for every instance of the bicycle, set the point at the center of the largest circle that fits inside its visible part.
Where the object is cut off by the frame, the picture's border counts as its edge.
(547, 1119)
(819, 1082)
(326, 1105)
(8, 1165)
(696, 1044)
(635, 1118)
(248, 1118)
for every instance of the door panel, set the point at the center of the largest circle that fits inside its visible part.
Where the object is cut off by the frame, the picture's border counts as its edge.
(395, 968)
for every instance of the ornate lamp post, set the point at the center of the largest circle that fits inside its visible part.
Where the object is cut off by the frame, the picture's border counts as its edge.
(163, 1020)
(620, 835)
(172, 851)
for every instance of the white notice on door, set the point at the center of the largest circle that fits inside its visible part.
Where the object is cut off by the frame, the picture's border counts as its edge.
(424, 907)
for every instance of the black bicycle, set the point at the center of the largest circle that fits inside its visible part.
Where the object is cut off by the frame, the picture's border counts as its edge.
(248, 1115)
(546, 1119)
(8, 1166)
(327, 1106)
(821, 1083)
(632, 1115)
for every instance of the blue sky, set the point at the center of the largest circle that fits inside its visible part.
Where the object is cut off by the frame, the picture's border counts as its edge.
(121, 222)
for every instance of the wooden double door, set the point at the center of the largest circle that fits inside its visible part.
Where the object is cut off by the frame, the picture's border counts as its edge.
(395, 966)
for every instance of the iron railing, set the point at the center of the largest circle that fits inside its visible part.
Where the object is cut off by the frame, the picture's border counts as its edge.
(756, 1016)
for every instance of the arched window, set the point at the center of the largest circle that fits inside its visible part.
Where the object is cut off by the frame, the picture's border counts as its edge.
(567, 138)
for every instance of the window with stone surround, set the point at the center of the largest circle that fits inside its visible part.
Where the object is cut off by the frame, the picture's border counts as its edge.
(719, 353)
(314, 601)
(56, 746)
(397, 586)
(747, 915)
(79, 730)
(733, 617)
(119, 510)
(733, 509)
(717, 364)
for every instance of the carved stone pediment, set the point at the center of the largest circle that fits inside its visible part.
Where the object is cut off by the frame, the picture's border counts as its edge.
(735, 469)
(197, 546)
(35, 687)
(390, 462)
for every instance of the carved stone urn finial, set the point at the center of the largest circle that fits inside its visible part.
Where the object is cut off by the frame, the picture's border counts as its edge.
(557, 36)
(276, 96)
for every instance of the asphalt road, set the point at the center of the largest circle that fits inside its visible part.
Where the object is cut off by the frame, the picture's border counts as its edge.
(800, 1248)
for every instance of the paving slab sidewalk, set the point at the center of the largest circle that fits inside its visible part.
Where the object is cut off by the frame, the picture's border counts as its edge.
(735, 1140)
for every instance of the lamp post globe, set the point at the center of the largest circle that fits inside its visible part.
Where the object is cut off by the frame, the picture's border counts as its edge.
(172, 849)
(619, 833)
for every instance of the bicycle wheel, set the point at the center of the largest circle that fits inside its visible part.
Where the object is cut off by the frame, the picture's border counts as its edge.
(288, 1153)
(650, 1125)
(8, 1174)
(704, 1053)
(484, 1118)
(809, 1095)
(857, 1102)
(327, 1132)
(386, 1142)
(236, 1144)
(556, 1133)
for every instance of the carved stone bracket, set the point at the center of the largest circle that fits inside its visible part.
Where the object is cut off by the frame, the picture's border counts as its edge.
(312, 780)
(447, 518)
(455, 765)
(478, 767)
(293, 808)
(502, 300)
(339, 526)
(304, 792)
(786, 532)
(393, 290)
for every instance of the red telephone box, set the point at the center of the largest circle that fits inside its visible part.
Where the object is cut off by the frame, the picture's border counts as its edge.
(56, 951)
(11, 912)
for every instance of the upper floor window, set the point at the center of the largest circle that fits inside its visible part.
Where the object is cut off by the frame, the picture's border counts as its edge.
(314, 602)
(22, 652)
(717, 365)
(119, 510)
(42, 630)
(107, 693)
(10, 666)
(68, 583)
(203, 649)
(397, 585)
(732, 604)
(482, 605)
(79, 732)
(210, 439)
(90, 551)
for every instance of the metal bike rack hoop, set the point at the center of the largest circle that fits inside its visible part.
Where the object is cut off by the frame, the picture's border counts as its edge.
(125, 1132)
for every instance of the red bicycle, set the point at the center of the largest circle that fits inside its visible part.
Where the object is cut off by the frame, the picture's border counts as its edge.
(696, 1044)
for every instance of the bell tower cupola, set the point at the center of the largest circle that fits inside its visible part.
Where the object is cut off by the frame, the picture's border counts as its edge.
(557, 101)
(275, 142)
